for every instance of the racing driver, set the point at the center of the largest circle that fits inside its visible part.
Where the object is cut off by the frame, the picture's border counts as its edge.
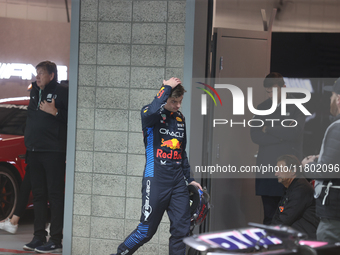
(166, 173)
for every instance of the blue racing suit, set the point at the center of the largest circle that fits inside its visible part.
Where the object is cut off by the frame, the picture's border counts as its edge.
(164, 180)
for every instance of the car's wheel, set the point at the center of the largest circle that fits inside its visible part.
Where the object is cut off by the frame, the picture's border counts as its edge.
(8, 193)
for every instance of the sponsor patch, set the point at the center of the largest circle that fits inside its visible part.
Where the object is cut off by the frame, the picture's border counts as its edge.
(147, 209)
(160, 92)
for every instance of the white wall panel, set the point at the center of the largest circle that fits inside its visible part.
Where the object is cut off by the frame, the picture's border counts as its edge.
(295, 15)
(50, 10)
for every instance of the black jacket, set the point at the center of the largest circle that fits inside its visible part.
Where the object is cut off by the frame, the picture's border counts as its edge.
(297, 208)
(45, 132)
(328, 206)
(277, 141)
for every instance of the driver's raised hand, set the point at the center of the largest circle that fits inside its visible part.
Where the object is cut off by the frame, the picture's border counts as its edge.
(173, 82)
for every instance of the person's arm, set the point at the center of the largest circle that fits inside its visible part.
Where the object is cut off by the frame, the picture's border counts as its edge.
(62, 106)
(258, 133)
(259, 137)
(58, 108)
(294, 207)
(326, 166)
(291, 133)
(149, 112)
(185, 162)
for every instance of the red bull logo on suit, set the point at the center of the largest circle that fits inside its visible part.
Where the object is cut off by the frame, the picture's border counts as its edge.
(172, 144)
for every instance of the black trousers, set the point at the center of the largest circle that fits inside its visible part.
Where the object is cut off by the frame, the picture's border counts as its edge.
(24, 194)
(48, 184)
(270, 205)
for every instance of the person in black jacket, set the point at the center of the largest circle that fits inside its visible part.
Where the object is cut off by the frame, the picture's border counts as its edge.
(297, 206)
(275, 140)
(45, 140)
(325, 168)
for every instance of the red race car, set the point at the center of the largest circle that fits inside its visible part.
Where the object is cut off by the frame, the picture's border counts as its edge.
(13, 113)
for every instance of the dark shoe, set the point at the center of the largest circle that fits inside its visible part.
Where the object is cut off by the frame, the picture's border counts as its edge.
(33, 244)
(49, 247)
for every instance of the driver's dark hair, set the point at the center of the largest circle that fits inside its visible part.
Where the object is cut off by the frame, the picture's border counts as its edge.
(50, 67)
(177, 91)
(273, 79)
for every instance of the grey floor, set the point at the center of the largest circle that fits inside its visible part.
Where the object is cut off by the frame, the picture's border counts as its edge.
(24, 234)
(12, 244)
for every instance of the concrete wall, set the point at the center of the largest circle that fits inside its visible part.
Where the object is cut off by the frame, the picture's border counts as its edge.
(126, 50)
